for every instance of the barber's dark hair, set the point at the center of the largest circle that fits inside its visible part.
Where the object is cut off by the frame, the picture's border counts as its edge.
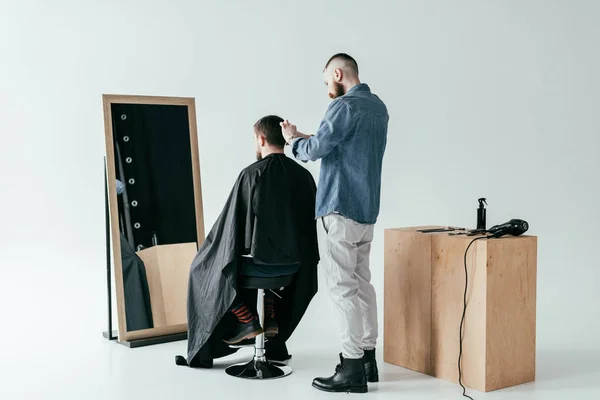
(345, 57)
(270, 128)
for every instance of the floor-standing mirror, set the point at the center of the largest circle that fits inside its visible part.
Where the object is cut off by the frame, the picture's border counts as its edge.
(155, 207)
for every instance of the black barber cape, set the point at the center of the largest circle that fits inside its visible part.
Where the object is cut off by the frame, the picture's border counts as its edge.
(138, 309)
(270, 214)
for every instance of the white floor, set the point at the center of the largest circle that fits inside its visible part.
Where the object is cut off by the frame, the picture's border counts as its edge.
(40, 360)
(102, 370)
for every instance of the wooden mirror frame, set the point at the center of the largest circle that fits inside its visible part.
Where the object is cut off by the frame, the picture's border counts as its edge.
(108, 101)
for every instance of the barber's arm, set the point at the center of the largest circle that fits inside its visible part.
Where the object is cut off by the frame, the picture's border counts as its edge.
(332, 130)
(120, 187)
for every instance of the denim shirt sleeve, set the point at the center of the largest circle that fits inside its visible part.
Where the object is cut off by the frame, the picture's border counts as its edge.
(333, 128)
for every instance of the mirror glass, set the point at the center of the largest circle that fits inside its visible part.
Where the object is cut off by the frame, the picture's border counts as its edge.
(155, 224)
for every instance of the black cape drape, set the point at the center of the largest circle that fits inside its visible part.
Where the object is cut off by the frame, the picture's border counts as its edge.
(270, 214)
(138, 309)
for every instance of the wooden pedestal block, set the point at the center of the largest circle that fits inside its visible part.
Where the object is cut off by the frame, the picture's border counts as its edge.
(168, 270)
(424, 288)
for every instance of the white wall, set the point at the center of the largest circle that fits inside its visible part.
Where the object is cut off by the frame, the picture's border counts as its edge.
(495, 99)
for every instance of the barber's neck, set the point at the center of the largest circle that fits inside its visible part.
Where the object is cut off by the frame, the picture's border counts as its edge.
(351, 83)
(267, 151)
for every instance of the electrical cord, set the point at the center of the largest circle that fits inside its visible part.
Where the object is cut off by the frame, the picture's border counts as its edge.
(463, 316)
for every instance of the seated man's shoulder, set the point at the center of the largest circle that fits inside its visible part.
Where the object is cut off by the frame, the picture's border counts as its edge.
(246, 176)
(303, 173)
(252, 169)
(293, 168)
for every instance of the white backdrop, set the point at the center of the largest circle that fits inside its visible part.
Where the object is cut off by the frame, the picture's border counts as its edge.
(496, 99)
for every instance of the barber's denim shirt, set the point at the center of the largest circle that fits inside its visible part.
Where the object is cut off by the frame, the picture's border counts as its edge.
(350, 142)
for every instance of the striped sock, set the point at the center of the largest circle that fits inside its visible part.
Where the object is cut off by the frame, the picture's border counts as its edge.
(270, 307)
(243, 313)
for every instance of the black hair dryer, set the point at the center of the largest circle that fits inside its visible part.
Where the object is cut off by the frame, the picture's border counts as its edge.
(514, 227)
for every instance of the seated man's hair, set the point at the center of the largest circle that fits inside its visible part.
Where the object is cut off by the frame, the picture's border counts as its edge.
(269, 127)
(349, 61)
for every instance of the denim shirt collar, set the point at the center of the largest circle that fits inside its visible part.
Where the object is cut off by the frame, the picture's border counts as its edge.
(361, 87)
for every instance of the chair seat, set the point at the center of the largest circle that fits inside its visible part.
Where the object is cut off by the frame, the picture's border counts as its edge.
(253, 282)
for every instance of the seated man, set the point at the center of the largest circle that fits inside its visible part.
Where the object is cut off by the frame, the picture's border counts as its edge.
(267, 228)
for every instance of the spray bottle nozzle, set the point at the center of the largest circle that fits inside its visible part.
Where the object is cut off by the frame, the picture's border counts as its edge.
(482, 201)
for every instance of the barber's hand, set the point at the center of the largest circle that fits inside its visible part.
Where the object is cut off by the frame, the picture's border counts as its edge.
(288, 131)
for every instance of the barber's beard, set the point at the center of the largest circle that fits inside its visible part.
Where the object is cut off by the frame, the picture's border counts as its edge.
(337, 90)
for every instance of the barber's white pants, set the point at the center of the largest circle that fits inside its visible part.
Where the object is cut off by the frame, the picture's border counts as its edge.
(346, 255)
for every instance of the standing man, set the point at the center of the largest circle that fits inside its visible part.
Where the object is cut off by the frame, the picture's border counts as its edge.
(350, 142)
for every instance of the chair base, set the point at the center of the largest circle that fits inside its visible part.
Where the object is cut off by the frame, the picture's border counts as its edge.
(260, 370)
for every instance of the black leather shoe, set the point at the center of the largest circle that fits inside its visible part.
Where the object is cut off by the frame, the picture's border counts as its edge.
(349, 377)
(371, 370)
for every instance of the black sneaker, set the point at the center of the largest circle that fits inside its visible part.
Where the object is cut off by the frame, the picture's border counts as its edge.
(271, 328)
(246, 331)
(277, 352)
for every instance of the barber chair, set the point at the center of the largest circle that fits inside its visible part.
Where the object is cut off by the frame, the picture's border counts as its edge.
(259, 367)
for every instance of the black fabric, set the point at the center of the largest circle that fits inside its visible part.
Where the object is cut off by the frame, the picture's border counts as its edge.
(138, 309)
(270, 215)
(157, 139)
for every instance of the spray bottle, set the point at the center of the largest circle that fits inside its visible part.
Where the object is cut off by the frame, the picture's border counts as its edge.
(481, 214)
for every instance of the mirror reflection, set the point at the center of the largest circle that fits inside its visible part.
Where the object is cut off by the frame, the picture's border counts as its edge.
(157, 221)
